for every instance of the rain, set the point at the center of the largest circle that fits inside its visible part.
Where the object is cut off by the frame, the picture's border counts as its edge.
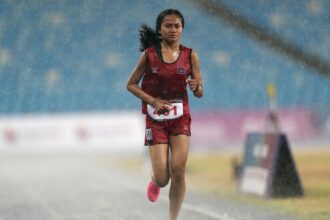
(65, 109)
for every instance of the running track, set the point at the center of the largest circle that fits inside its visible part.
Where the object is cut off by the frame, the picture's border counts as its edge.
(72, 186)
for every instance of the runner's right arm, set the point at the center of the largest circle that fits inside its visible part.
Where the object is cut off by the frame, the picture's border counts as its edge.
(133, 87)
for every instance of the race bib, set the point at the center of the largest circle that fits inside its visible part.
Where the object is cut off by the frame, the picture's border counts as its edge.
(176, 111)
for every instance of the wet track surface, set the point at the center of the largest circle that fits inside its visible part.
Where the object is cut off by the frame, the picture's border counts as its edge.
(70, 186)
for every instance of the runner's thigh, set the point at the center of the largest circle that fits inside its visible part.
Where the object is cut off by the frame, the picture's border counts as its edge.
(179, 152)
(159, 157)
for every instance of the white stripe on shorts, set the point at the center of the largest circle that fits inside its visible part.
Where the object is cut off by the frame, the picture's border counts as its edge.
(148, 134)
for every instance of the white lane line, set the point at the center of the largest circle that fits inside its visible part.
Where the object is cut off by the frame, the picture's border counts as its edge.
(205, 212)
(33, 195)
(200, 210)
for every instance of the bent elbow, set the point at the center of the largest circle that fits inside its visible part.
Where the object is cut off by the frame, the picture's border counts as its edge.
(129, 87)
(132, 87)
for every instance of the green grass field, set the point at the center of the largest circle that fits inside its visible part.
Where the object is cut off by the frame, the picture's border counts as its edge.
(212, 173)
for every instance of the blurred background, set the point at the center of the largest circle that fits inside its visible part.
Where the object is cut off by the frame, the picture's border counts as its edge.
(64, 67)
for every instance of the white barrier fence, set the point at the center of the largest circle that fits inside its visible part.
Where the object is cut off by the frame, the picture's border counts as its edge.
(114, 131)
(124, 131)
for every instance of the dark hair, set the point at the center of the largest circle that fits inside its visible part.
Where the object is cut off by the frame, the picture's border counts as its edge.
(150, 37)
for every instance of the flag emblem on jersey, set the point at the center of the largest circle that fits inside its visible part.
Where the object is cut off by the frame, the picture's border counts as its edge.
(154, 70)
(181, 70)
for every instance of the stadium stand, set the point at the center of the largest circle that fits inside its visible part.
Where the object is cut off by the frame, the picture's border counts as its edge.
(75, 56)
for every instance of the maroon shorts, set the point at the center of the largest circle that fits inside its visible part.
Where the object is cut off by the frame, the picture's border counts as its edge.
(158, 132)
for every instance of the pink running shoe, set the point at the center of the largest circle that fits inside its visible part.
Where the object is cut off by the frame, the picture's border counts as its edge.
(153, 192)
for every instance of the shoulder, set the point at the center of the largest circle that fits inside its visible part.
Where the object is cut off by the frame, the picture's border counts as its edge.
(192, 53)
(187, 51)
(142, 60)
(150, 50)
(194, 58)
(150, 53)
(184, 48)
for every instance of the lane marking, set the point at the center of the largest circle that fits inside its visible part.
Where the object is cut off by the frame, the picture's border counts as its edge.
(34, 196)
(205, 212)
(132, 186)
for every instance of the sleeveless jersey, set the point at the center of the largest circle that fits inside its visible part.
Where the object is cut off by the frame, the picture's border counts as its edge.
(167, 80)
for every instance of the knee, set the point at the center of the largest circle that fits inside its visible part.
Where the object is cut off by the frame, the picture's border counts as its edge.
(161, 180)
(178, 175)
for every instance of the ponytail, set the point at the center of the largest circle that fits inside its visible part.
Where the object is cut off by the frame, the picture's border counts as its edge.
(148, 37)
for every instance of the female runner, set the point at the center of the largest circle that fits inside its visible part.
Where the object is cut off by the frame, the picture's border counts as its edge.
(166, 68)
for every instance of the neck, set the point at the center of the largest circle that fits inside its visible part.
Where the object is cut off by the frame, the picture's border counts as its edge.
(172, 46)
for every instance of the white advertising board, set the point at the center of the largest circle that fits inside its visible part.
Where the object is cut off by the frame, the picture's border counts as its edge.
(114, 131)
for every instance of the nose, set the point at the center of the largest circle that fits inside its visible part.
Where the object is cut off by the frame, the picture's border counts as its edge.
(172, 30)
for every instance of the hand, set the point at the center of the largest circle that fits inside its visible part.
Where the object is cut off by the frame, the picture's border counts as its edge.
(161, 106)
(193, 84)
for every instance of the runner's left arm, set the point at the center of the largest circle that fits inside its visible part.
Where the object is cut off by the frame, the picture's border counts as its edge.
(195, 83)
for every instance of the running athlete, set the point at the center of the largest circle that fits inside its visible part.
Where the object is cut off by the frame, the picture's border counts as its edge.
(166, 68)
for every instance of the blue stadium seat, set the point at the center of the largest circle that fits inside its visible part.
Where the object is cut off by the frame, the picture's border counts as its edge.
(76, 56)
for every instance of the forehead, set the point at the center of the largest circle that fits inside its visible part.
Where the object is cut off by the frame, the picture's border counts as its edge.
(172, 19)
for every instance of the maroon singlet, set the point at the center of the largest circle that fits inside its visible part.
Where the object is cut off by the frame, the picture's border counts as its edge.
(167, 80)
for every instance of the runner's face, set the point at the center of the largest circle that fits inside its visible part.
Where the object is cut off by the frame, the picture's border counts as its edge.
(171, 28)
